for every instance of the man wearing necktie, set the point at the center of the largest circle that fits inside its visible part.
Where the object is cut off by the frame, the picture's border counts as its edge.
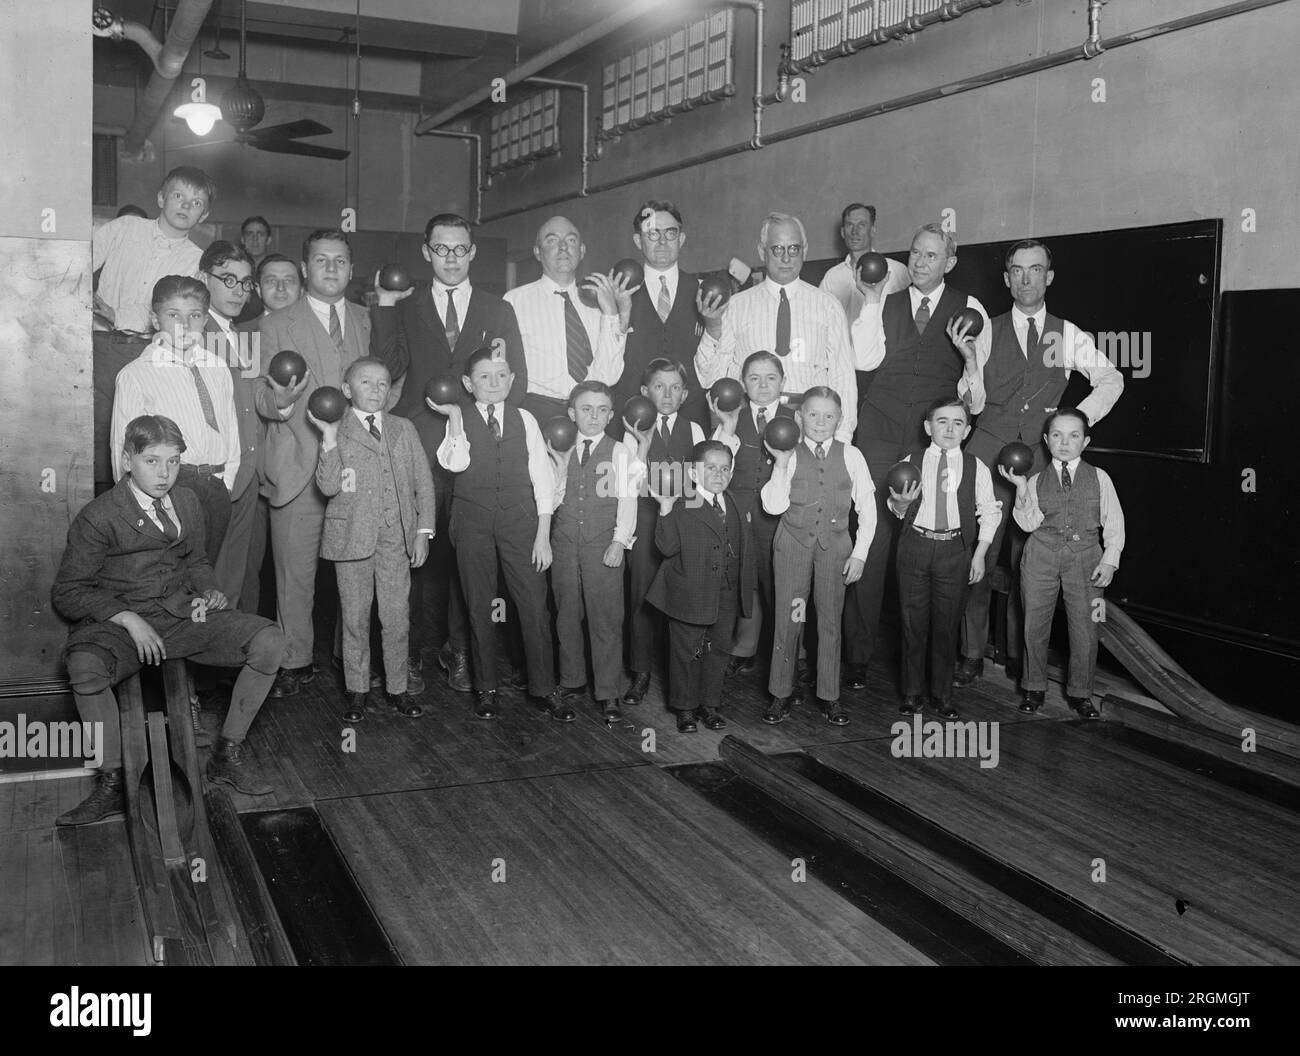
(329, 333)
(428, 332)
(565, 340)
(664, 322)
(915, 353)
(1030, 358)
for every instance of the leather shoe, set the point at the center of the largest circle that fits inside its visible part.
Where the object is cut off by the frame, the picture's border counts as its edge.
(968, 671)
(356, 709)
(107, 798)
(227, 766)
(610, 711)
(686, 722)
(485, 704)
(911, 706)
(305, 675)
(1083, 705)
(855, 676)
(637, 690)
(834, 712)
(946, 709)
(404, 704)
(456, 665)
(712, 719)
(554, 705)
(1015, 668)
(738, 665)
(285, 684)
(414, 679)
(778, 709)
(1032, 700)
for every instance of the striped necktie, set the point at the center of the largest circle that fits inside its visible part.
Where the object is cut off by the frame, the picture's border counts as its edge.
(577, 343)
(493, 424)
(205, 399)
(664, 305)
(374, 429)
(336, 328)
(1066, 482)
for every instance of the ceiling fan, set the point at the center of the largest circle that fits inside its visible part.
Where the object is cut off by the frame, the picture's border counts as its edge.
(242, 107)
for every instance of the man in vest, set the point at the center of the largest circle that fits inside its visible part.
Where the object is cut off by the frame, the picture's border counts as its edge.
(1031, 356)
(915, 352)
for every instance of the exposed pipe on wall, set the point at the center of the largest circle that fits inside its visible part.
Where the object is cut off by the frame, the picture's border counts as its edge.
(187, 23)
(1006, 73)
(478, 163)
(628, 12)
(756, 142)
(551, 82)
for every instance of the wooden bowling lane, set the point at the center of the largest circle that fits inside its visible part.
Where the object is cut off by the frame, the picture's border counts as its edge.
(622, 866)
(1064, 795)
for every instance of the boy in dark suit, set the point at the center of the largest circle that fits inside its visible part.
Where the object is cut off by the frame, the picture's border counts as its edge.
(378, 526)
(502, 501)
(429, 332)
(136, 581)
(941, 551)
(705, 582)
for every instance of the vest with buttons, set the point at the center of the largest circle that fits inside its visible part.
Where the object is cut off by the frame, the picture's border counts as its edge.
(821, 494)
(652, 338)
(1073, 518)
(1018, 387)
(588, 514)
(390, 512)
(753, 465)
(917, 368)
(965, 499)
(677, 451)
(497, 477)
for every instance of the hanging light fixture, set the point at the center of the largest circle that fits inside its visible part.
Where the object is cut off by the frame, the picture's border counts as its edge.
(201, 117)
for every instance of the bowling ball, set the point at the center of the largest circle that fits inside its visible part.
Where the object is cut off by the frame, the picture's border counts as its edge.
(971, 316)
(445, 390)
(632, 269)
(666, 478)
(395, 277)
(287, 365)
(781, 434)
(587, 295)
(901, 474)
(327, 403)
(1017, 457)
(727, 393)
(560, 432)
(719, 284)
(872, 267)
(640, 411)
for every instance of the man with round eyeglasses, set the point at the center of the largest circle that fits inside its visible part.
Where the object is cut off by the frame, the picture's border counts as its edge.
(427, 332)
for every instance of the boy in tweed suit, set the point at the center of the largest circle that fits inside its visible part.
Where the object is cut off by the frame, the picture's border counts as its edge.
(378, 524)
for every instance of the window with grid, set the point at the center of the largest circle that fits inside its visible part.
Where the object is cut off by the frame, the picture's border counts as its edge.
(688, 64)
(525, 130)
(819, 25)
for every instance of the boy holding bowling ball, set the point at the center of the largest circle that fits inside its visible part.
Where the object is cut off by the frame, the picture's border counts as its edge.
(1065, 509)
(812, 488)
(949, 517)
(378, 525)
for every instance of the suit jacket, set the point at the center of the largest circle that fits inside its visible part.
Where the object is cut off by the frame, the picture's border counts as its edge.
(117, 558)
(252, 430)
(409, 337)
(353, 516)
(652, 338)
(293, 444)
(690, 580)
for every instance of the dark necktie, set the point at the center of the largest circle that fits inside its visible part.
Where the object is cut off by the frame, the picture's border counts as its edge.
(1031, 341)
(169, 528)
(941, 494)
(453, 320)
(663, 428)
(923, 316)
(716, 503)
(493, 424)
(336, 328)
(664, 306)
(783, 325)
(586, 453)
(821, 453)
(374, 429)
(1066, 482)
(762, 420)
(576, 342)
(205, 399)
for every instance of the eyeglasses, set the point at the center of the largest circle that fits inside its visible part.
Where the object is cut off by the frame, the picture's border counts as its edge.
(230, 282)
(786, 252)
(442, 250)
(668, 234)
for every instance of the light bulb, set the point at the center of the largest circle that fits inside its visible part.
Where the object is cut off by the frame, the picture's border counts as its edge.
(201, 117)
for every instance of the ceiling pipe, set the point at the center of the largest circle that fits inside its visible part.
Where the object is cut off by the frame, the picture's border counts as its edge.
(627, 13)
(551, 82)
(478, 163)
(757, 7)
(187, 23)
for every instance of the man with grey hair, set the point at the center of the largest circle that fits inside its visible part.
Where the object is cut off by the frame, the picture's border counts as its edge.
(915, 350)
(802, 325)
